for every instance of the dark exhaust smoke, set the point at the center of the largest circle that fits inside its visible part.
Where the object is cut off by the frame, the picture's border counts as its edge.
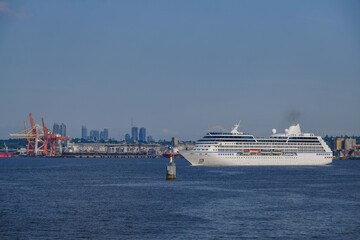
(293, 116)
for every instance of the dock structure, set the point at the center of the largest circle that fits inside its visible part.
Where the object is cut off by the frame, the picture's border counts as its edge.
(40, 140)
(171, 169)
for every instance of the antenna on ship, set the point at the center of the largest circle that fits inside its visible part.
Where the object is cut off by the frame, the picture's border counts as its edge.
(235, 128)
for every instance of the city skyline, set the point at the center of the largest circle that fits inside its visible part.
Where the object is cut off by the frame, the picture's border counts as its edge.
(94, 134)
(181, 68)
(59, 128)
(137, 134)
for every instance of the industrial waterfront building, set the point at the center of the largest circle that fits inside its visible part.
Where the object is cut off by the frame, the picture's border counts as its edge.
(122, 149)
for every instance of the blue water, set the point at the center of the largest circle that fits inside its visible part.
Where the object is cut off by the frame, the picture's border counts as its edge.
(130, 199)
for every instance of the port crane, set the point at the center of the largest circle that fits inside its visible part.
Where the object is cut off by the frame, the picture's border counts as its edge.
(40, 140)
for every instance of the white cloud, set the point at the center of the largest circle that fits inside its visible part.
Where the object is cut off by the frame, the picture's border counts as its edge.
(169, 132)
(6, 11)
(217, 128)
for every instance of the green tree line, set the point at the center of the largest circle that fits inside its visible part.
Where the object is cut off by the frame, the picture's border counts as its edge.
(13, 143)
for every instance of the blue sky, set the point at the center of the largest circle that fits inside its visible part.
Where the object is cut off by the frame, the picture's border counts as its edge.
(179, 68)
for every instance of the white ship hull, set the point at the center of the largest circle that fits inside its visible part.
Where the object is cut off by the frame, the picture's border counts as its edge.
(293, 148)
(214, 159)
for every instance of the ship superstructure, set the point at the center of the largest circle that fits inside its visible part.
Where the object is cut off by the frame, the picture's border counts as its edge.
(238, 149)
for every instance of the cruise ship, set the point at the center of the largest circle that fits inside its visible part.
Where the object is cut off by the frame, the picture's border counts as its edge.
(292, 148)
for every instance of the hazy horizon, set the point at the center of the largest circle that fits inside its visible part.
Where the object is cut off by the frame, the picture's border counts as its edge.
(180, 68)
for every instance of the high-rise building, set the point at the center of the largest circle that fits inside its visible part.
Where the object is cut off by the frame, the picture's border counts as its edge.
(150, 139)
(142, 134)
(83, 132)
(127, 137)
(91, 135)
(349, 143)
(175, 141)
(333, 144)
(63, 129)
(134, 134)
(339, 143)
(106, 134)
(56, 128)
(94, 135)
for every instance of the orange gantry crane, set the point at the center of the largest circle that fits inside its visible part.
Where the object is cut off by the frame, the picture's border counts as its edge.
(40, 140)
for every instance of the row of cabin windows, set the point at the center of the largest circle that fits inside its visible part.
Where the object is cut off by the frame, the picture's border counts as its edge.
(285, 149)
(253, 140)
(229, 137)
(272, 144)
(260, 157)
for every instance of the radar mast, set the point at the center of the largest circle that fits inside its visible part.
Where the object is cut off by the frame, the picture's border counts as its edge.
(234, 130)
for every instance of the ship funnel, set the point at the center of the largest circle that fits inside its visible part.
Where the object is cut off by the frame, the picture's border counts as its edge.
(294, 130)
